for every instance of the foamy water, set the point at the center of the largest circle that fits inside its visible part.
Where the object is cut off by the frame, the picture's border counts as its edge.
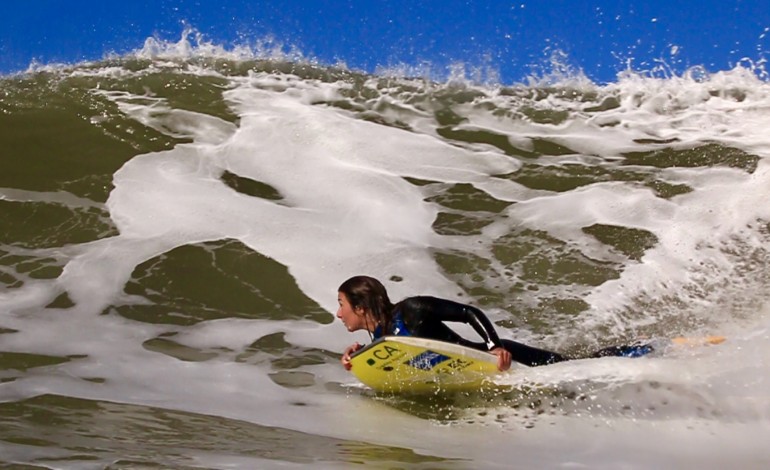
(363, 169)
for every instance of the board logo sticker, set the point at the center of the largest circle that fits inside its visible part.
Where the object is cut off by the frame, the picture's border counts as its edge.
(383, 354)
(427, 360)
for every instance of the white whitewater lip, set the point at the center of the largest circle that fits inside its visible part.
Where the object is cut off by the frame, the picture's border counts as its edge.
(348, 210)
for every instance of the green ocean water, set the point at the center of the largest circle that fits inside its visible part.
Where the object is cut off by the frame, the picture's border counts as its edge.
(65, 133)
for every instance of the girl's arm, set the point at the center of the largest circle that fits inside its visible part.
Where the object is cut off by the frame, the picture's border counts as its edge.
(450, 311)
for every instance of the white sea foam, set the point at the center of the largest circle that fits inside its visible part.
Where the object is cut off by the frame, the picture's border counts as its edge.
(347, 209)
(693, 229)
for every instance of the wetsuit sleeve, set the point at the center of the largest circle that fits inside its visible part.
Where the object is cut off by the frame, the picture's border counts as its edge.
(448, 311)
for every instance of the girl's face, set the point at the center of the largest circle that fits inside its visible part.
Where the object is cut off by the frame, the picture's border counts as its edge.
(353, 319)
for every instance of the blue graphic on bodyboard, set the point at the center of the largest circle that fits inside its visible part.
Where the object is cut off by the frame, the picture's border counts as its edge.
(427, 360)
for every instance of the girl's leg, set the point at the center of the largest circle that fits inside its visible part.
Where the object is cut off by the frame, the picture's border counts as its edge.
(522, 353)
(531, 356)
(632, 350)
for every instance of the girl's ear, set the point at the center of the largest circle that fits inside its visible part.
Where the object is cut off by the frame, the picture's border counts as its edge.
(359, 311)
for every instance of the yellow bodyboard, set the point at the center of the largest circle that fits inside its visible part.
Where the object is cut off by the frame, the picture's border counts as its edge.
(404, 364)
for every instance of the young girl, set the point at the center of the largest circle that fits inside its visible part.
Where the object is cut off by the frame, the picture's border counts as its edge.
(364, 305)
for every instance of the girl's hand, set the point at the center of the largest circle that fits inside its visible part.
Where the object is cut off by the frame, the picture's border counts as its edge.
(503, 358)
(353, 348)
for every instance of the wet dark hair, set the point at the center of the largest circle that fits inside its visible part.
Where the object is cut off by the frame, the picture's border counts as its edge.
(369, 293)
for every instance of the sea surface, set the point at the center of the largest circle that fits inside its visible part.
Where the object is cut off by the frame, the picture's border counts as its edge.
(175, 222)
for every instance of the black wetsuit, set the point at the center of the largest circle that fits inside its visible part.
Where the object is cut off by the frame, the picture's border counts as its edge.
(424, 317)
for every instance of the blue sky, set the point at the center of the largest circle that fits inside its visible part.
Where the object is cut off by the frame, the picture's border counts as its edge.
(599, 37)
